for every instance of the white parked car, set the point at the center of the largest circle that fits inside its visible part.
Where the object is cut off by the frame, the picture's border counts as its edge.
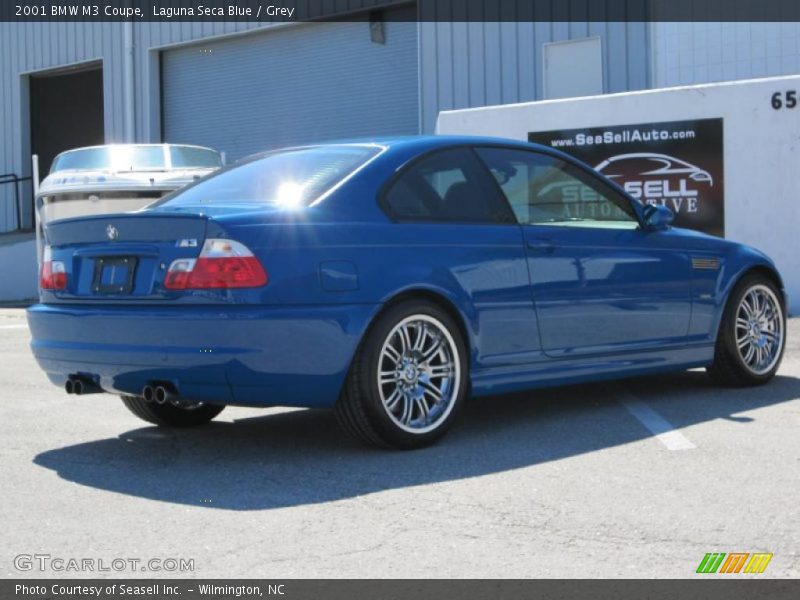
(119, 177)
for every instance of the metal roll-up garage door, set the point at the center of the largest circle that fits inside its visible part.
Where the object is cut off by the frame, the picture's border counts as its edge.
(295, 85)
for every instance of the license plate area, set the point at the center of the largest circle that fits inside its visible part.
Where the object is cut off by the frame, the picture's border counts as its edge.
(114, 274)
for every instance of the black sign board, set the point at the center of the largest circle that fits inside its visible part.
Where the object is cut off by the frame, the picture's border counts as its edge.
(678, 164)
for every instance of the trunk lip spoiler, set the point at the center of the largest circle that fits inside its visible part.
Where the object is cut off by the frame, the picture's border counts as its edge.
(121, 248)
(105, 228)
(143, 214)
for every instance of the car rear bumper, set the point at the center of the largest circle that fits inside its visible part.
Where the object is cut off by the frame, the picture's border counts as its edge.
(246, 355)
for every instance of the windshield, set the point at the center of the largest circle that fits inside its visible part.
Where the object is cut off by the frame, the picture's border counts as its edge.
(291, 178)
(188, 157)
(136, 158)
(116, 158)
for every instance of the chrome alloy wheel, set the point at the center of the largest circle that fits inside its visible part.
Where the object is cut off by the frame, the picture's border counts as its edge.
(419, 373)
(759, 329)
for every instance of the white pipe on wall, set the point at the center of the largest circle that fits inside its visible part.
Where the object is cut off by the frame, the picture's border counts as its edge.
(128, 82)
(36, 221)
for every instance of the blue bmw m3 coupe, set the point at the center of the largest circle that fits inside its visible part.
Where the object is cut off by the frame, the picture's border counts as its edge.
(388, 280)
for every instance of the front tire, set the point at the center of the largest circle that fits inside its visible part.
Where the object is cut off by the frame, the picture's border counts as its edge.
(408, 379)
(752, 334)
(169, 415)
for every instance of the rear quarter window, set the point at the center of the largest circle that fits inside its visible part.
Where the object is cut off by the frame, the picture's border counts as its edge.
(446, 186)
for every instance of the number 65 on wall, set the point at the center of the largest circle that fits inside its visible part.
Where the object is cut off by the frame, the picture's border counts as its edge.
(786, 99)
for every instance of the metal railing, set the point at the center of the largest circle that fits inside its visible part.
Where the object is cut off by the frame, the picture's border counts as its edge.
(17, 181)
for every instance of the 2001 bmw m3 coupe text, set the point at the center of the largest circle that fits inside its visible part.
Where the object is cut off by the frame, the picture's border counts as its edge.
(388, 280)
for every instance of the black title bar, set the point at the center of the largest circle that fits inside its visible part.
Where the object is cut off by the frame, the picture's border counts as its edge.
(713, 588)
(421, 10)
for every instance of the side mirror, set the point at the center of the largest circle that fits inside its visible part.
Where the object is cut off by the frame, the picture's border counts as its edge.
(658, 217)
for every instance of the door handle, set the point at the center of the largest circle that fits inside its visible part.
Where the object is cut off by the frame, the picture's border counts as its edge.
(545, 246)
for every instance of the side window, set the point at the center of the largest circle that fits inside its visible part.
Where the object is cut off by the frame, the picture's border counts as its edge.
(450, 186)
(545, 190)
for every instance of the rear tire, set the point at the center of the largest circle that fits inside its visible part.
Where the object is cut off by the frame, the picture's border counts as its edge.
(169, 415)
(752, 334)
(408, 379)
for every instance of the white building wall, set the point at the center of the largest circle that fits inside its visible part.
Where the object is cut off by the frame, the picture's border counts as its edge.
(691, 53)
(18, 266)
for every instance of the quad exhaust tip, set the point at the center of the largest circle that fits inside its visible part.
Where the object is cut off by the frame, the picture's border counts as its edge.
(79, 385)
(165, 394)
(160, 394)
(148, 393)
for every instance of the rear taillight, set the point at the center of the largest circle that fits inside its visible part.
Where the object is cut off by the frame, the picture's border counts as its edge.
(54, 274)
(221, 264)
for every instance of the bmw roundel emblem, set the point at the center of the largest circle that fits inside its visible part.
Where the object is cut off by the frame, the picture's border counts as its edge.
(112, 232)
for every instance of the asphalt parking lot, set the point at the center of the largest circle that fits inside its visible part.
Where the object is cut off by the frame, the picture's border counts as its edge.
(632, 479)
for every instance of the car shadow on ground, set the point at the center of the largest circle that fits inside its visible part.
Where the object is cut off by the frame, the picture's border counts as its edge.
(302, 457)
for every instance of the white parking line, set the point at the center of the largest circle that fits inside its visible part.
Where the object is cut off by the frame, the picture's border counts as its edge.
(18, 326)
(658, 425)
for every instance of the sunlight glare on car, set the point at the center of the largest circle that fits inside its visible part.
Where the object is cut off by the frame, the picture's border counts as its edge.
(290, 194)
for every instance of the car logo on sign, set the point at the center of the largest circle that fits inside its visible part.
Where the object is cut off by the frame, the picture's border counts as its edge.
(112, 232)
(657, 164)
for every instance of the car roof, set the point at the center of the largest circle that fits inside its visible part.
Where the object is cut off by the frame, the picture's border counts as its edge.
(413, 144)
(423, 142)
(420, 144)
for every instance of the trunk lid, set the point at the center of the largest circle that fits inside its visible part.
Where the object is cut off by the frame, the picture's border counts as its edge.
(123, 257)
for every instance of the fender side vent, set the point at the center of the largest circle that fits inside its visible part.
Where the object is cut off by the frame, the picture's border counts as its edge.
(705, 264)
